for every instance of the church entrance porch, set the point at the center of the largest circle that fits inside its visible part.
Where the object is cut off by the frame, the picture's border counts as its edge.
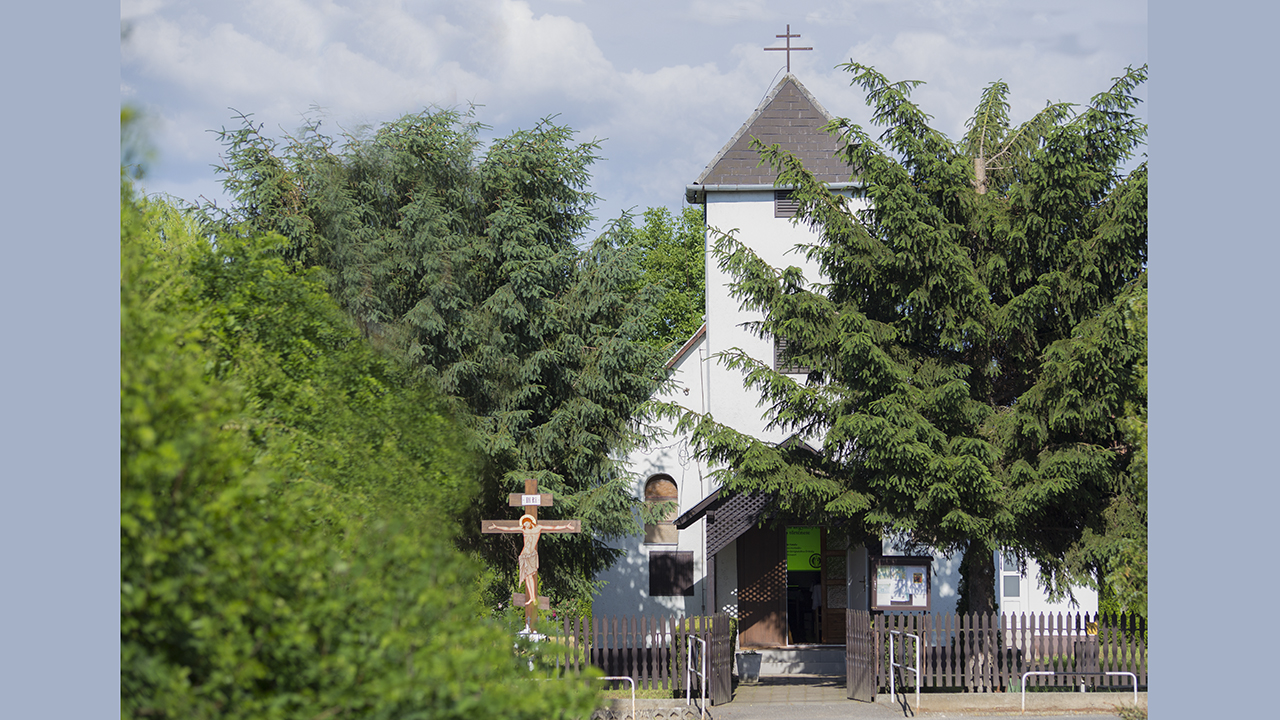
(793, 590)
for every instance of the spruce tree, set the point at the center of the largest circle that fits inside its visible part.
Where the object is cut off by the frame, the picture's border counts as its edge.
(471, 261)
(975, 382)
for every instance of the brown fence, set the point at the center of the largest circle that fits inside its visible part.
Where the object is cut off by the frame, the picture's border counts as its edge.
(652, 651)
(989, 653)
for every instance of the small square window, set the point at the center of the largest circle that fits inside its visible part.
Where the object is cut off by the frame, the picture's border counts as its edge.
(670, 574)
(1012, 586)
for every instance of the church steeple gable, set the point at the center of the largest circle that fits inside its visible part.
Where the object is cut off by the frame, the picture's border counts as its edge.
(790, 117)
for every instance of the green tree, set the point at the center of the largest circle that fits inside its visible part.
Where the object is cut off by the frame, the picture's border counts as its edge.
(1093, 394)
(468, 264)
(672, 254)
(263, 573)
(949, 395)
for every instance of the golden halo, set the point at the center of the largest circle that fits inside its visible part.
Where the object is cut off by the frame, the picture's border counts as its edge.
(531, 518)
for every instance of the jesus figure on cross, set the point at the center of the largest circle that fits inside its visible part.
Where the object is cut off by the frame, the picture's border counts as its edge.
(528, 565)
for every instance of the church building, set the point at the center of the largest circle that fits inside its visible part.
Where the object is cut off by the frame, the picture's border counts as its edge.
(787, 585)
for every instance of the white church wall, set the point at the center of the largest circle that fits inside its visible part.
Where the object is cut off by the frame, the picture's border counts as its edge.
(751, 214)
(727, 580)
(1019, 591)
(626, 588)
(749, 217)
(946, 583)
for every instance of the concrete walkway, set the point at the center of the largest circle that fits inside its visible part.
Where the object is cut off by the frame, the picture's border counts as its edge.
(799, 697)
(822, 697)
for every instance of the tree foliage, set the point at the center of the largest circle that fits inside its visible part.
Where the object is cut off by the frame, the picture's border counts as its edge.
(467, 263)
(672, 256)
(283, 552)
(977, 362)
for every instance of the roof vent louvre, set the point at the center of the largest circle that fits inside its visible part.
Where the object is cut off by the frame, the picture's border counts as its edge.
(784, 204)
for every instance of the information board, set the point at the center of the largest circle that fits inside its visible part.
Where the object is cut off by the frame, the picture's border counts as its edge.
(902, 583)
(804, 548)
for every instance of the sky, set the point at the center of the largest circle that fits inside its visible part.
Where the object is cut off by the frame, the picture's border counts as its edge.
(661, 85)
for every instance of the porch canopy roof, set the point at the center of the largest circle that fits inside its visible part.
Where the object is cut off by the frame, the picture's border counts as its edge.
(731, 514)
(728, 515)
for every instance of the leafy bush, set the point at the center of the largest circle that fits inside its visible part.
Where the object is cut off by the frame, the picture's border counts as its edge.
(282, 552)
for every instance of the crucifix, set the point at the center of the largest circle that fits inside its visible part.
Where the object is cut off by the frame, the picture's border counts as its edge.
(529, 526)
(788, 48)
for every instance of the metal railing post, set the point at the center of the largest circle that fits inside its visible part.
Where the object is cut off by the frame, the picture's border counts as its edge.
(1051, 672)
(688, 674)
(1024, 683)
(633, 690)
(892, 692)
(1135, 682)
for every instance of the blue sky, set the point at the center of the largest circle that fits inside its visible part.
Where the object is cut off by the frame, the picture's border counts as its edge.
(661, 84)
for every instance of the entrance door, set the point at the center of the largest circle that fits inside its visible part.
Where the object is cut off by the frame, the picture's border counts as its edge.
(804, 585)
(762, 588)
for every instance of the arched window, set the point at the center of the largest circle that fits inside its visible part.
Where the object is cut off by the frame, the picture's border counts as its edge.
(661, 488)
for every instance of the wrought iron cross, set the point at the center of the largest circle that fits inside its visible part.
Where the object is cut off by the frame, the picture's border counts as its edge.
(788, 48)
(529, 526)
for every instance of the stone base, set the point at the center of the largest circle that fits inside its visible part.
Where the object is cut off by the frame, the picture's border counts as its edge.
(681, 713)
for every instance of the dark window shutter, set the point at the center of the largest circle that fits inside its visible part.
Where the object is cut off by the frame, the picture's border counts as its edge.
(670, 573)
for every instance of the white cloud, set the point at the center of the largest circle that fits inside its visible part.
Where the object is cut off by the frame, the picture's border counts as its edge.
(549, 53)
(704, 68)
(135, 8)
(718, 12)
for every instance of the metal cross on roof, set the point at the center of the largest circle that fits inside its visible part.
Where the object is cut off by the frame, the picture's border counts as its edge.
(788, 48)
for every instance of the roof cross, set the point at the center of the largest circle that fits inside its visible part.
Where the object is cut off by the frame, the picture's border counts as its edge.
(788, 48)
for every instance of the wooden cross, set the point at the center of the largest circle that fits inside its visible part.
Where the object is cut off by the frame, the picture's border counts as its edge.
(788, 48)
(529, 526)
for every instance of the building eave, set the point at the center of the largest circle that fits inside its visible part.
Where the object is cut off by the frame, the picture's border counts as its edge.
(689, 345)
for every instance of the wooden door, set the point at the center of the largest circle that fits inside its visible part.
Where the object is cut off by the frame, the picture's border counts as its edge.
(721, 665)
(762, 588)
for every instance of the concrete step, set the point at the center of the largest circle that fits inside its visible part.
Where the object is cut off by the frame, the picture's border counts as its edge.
(802, 661)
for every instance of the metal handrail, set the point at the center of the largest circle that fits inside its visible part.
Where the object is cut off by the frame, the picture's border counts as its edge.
(1052, 672)
(688, 674)
(633, 690)
(893, 697)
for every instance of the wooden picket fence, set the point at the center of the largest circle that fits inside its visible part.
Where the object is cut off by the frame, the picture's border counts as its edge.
(989, 653)
(652, 651)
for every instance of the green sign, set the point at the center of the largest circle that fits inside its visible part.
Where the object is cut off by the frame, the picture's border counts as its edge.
(804, 548)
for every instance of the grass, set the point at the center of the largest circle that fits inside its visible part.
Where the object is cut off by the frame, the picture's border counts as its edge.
(1129, 712)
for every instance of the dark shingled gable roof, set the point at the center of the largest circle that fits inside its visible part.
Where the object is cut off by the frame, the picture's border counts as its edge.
(791, 118)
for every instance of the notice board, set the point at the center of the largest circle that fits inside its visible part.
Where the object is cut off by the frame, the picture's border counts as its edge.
(902, 582)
